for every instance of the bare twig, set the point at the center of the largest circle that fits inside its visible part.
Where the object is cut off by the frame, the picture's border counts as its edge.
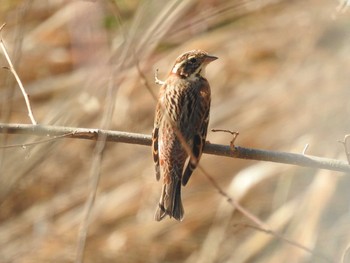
(225, 130)
(156, 80)
(2, 26)
(144, 79)
(259, 224)
(13, 71)
(234, 203)
(210, 148)
(95, 172)
(305, 148)
(25, 145)
(291, 242)
(90, 201)
(346, 144)
(234, 133)
(345, 253)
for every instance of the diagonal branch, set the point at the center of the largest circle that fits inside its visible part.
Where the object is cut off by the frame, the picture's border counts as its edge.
(13, 71)
(210, 148)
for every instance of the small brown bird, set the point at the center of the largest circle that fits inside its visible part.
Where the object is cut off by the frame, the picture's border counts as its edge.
(180, 128)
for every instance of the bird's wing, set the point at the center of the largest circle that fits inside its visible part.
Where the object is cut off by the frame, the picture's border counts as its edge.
(155, 133)
(198, 141)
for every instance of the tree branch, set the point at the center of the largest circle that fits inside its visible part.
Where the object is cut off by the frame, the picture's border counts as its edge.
(210, 148)
(13, 71)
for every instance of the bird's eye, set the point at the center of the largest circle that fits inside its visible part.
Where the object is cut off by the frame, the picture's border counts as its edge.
(193, 60)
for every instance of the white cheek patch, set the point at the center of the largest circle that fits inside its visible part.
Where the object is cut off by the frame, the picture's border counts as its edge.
(176, 67)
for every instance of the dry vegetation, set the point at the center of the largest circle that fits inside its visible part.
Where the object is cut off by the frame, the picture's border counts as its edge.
(282, 81)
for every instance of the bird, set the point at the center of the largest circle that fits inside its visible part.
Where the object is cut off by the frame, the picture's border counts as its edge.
(180, 128)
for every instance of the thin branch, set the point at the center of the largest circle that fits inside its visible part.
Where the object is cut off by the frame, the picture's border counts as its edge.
(305, 149)
(345, 253)
(210, 148)
(13, 71)
(157, 80)
(259, 225)
(346, 144)
(90, 201)
(25, 145)
(95, 172)
(291, 242)
(234, 133)
(234, 203)
(144, 80)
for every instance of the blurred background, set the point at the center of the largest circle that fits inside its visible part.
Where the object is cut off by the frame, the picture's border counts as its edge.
(282, 81)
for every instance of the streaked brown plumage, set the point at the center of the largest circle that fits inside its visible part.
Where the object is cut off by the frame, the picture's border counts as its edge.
(180, 126)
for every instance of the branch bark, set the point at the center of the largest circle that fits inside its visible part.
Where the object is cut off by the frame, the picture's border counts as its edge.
(210, 148)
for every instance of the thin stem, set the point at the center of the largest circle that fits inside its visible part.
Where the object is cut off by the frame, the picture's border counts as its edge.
(13, 71)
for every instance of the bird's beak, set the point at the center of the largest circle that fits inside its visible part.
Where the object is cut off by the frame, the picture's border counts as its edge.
(209, 59)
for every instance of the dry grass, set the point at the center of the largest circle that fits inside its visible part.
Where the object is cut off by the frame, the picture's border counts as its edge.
(282, 80)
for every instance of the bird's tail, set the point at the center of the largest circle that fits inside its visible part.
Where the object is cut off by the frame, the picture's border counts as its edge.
(170, 201)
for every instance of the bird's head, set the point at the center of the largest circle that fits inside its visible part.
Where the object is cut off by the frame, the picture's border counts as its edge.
(192, 64)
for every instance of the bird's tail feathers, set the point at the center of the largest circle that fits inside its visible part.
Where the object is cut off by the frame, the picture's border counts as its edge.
(170, 201)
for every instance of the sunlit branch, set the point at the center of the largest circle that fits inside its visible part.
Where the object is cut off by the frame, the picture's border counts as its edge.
(210, 148)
